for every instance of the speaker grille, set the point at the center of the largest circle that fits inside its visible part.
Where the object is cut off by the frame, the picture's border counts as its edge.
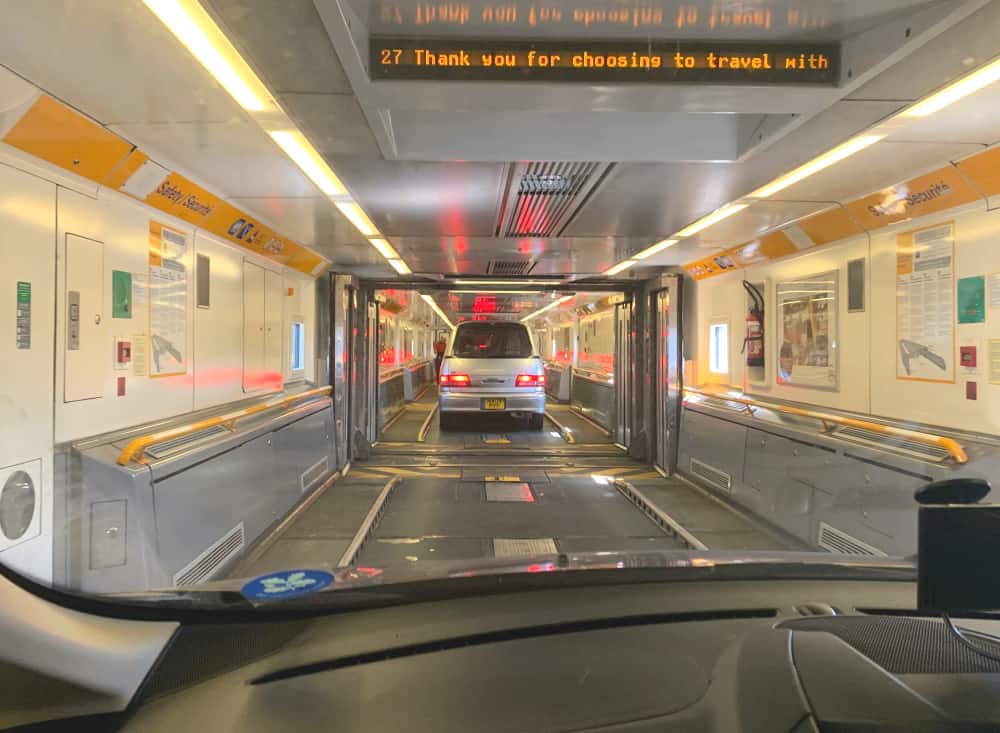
(903, 645)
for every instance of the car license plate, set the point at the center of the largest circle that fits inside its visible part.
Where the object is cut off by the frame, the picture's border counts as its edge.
(494, 404)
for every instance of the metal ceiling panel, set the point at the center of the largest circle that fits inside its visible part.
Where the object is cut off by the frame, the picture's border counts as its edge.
(972, 120)
(285, 41)
(654, 200)
(753, 221)
(114, 60)
(604, 136)
(969, 43)
(425, 199)
(236, 158)
(883, 164)
(334, 123)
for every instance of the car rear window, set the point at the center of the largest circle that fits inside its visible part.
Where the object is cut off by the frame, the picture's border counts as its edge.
(492, 341)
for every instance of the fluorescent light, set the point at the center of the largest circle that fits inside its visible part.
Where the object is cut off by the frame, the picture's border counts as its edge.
(300, 150)
(496, 292)
(550, 306)
(399, 266)
(817, 164)
(501, 283)
(434, 306)
(658, 247)
(384, 248)
(620, 267)
(357, 217)
(193, 27)
(950, 94)
(714, 218)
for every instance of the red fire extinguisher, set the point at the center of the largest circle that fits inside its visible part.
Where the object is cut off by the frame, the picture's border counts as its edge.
(753, 344)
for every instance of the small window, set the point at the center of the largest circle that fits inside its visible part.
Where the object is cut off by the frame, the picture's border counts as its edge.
(718, 348)
(298, 346)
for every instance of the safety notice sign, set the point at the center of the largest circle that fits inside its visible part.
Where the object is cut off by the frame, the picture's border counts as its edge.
(23, 315)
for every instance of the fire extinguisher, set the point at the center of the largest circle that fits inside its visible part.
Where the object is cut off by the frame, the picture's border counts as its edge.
(753, 344)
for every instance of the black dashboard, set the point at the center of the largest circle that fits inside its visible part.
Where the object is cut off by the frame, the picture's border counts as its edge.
(791, 655)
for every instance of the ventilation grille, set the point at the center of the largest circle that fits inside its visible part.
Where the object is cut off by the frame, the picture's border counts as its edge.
(895, 444)
(542, 198)
(170, 447)
(834, 540)
(202, 567)
(509, 267)
(314, 473)
(719, 479)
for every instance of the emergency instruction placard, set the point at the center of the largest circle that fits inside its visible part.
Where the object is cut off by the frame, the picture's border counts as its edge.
(168, 301)
(925, 293)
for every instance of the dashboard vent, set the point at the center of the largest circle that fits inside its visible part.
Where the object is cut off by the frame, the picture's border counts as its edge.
(839, 542)
(213, 558)
(719, 479)
(540, 199)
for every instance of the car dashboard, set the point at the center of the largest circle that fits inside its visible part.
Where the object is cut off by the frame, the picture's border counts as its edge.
(782, 655)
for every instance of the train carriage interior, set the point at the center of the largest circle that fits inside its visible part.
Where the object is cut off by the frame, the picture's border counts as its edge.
(522, 365)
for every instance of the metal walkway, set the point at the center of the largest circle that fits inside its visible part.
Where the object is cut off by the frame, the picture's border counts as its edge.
(417, 429)
(454, 508)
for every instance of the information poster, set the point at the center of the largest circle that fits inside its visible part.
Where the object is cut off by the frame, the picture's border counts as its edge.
(121, 294)
(807, 319)
(168, 301)
(925, 293)
(994, 357)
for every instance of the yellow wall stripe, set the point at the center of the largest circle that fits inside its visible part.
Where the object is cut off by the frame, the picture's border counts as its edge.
(62, 136)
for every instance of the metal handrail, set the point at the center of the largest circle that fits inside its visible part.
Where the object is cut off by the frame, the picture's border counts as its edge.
(137, 446)
(952, 446)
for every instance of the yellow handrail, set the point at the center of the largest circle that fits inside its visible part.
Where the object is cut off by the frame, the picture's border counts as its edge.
(954, 449)
(137, 446)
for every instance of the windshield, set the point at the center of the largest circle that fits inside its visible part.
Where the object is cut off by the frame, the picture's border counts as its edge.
(492, 341)
(381, 292)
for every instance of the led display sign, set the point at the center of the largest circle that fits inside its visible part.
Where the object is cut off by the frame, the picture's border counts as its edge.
(657, 62)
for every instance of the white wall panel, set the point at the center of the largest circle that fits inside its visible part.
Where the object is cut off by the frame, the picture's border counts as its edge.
(868, 340)
(123, 227)
(27, 254)
(976, 253)
(218, 333)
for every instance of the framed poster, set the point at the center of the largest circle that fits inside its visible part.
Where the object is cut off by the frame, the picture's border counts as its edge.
(168, 301)
(925, 297)
(807, 332)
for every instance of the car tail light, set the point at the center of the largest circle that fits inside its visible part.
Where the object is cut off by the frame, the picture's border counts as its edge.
(455, 380)
(530, 380)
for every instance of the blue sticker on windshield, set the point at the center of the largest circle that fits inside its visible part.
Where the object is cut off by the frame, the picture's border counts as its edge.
(286, 584)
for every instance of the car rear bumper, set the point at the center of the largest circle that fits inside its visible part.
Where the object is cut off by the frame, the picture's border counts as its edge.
(454, 401)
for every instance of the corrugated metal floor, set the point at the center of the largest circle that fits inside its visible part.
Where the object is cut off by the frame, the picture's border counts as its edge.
(451, 510)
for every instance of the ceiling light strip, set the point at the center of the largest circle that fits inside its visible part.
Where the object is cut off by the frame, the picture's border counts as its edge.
(193, 27)
(969, 84)
(437, 309)
(548, 307)
(817, 164)
(304, 155)
(198, 32)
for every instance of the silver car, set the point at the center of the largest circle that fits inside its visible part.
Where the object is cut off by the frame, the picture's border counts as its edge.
(492, 366)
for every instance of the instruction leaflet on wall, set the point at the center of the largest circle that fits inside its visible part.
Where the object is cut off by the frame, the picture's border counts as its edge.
(168, 301)
(925, 317)
(994, 357)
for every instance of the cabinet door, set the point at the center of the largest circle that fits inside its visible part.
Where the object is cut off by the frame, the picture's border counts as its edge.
(88, 353)
(253, 326)
(274, 317)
